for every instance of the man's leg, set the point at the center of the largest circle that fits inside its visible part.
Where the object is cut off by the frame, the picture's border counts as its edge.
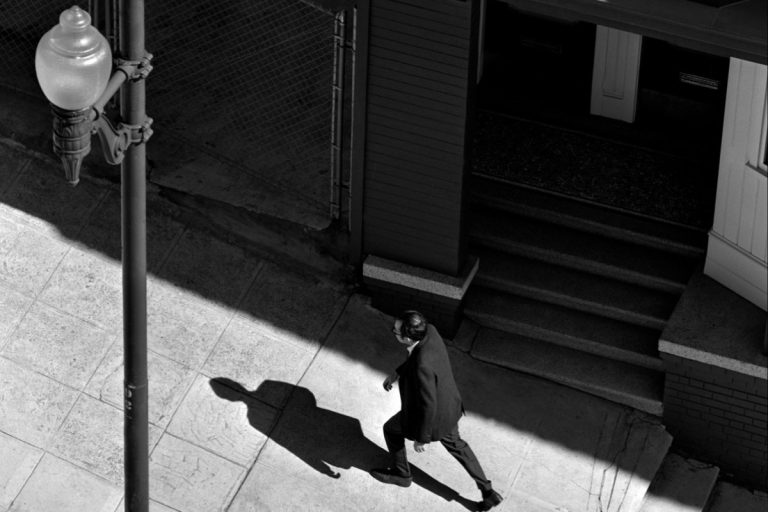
(395, 439)
(459, 448)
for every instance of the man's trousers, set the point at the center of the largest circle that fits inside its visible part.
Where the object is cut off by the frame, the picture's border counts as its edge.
(456, 446)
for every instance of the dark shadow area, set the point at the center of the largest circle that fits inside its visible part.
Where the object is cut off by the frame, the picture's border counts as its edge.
(534, 124)
(320, 437)
(300, 304)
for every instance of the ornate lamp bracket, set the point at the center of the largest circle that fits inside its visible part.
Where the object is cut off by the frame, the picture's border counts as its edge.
(116, 141)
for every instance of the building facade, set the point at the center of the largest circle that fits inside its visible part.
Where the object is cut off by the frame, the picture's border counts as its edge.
(416, 74)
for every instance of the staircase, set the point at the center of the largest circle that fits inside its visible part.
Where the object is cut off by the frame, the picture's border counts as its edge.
(575, 292)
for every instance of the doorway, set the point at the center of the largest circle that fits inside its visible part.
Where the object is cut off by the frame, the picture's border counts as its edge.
(534, 125)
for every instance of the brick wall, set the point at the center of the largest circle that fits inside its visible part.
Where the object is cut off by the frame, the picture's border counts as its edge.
(719, 415)
(443, 312)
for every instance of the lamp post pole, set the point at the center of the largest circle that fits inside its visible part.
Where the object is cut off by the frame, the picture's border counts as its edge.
(73, 65)
(134, 253)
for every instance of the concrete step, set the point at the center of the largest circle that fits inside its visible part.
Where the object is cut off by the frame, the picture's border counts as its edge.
(633, 448)
(680, 485)
(588, 252)
(559, 325)
(613, 380)
(575, 289)
(588, 216)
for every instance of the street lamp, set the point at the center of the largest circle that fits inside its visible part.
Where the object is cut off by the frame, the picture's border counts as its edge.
(73, 64)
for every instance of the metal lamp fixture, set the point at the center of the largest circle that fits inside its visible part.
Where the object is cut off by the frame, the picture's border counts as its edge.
(74, 67)
(73, 63)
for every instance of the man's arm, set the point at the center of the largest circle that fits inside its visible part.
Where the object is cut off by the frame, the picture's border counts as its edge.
(427, 403)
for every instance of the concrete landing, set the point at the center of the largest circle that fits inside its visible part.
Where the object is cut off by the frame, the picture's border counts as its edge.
(681, 485)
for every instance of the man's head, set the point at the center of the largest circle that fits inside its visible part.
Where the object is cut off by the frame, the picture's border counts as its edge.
(410, 327)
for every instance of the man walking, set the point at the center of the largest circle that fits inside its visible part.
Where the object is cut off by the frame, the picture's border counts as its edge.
(430, 407)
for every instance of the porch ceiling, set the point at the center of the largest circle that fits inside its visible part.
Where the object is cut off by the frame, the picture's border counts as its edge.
(736, 30)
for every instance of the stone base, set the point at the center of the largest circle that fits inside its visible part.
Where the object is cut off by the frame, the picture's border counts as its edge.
(716, 390)
(395, 287)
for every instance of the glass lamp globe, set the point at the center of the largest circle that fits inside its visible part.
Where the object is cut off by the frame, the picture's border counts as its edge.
(73, 61)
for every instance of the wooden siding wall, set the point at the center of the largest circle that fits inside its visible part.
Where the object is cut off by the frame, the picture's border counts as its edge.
(736, 255)
(419, 64)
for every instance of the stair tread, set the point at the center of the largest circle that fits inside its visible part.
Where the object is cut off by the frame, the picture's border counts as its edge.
(615, 380)
(508, 271)
(562, 325)
(517, 198)
(680, 485)
(588, 250)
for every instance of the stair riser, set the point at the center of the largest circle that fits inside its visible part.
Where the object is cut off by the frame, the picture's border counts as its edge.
(593, 267)
(551, 297)
(655, 408)
(547, 336)
(592, 227)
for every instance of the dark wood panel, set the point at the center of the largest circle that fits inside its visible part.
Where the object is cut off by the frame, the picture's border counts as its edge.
(443, 13)
(462, 29)
(384, 145)
(387, 226)
(401, 175)
(387, 102)
(396, 145)
(418, 77)
(418, 35)
(448, 131)
(428, 169)
(403, 83)
(426, 201)
(405, 97)
(412, 136)
(440, 62)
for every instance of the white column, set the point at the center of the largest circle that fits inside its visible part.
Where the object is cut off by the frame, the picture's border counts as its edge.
(736, 254)
(615, 73)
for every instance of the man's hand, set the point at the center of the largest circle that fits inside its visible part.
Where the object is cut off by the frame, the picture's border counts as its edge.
(390, 380)
(419, 447)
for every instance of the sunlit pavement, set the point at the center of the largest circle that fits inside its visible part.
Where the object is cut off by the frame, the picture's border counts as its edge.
(265, 383)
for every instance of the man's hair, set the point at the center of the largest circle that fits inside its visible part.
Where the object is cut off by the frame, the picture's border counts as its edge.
(414, 325)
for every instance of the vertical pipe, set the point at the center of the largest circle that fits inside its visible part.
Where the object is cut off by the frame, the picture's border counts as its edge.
(337, 112)
(133, 170)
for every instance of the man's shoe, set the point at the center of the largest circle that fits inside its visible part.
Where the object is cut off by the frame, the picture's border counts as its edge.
(490, 499)
(390, 476)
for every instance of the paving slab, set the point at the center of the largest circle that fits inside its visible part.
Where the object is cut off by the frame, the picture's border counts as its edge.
(12, 163)
(60, 346)
(168, 383)
(223, 421)
(210, 268)
(250, 354)
(58, 485)
(295, 307)
(92, 437)
(32, 406)
(88, 286)
(103, 231)
(186, 477)
(65, 209)
(27, 258)
(181, 326)
(13, 306)
(19, 461)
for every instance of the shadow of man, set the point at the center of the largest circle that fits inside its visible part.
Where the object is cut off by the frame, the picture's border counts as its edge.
(323, 439)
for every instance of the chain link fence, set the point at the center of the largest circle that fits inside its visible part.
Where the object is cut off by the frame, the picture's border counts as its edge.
(250, 82)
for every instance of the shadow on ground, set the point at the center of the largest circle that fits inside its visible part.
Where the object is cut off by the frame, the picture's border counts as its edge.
(320, 437)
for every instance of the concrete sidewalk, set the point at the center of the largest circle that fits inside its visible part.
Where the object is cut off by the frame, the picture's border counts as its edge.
(265, 382)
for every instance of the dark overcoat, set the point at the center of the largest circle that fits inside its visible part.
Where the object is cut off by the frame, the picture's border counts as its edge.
(430, 401)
